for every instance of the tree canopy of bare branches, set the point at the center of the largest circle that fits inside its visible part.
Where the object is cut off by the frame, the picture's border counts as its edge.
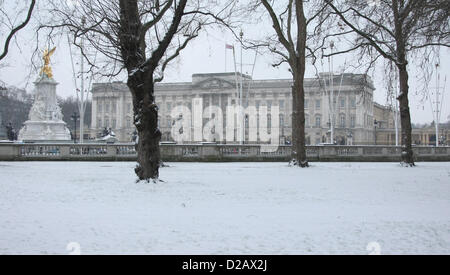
(396, 30)
(140, 37)
(8, 25)
(295, 24)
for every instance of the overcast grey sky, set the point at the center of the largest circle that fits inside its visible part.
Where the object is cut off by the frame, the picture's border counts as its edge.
(206, 54)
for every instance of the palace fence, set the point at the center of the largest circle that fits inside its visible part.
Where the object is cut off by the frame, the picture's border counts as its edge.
(210, 152)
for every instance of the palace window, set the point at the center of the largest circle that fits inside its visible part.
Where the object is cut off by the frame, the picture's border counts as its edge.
(246, 122)
(352, 121)
(306, 103)
(99, 107)
(342, 121)
(342, 102)
(168, 121)
(318, 103)
(318, 121)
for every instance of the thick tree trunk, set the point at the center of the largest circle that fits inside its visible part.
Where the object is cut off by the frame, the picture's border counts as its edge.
(402, 63)
(299, 91)
(405, 117)
(298, 123)
(148, 148)
(140, 83)
(149, 157)
(294, 124)
(146, 122)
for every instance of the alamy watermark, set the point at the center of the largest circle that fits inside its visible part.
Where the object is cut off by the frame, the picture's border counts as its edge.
(256, 125)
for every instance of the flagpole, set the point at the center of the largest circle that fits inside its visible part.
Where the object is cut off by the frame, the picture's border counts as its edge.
(235, 73)
(241, 92)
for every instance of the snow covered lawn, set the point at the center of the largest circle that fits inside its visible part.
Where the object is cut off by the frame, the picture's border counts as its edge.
(225, 208)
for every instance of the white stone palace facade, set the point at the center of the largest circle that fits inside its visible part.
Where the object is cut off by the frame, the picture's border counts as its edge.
(353, 98)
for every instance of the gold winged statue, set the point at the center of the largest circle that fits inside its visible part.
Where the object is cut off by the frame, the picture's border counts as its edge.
(47, 70)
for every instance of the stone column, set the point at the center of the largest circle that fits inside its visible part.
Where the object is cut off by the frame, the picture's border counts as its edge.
(94, 114)
(121, 118)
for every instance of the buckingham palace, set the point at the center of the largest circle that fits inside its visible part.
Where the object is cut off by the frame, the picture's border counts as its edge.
(352, 103)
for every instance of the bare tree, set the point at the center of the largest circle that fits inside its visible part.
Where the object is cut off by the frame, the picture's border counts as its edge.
(141, 37)
(7, 22)
(395, 30)
(292, 32)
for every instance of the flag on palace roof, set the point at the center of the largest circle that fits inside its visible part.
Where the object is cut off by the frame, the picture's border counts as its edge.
(228, 46)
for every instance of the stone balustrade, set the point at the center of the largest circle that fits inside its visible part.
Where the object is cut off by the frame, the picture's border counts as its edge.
(211, 152)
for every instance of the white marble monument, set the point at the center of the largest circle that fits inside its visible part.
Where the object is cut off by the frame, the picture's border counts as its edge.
(45, 118)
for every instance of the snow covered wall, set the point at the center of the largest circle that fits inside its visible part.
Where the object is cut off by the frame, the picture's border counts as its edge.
(213, 152)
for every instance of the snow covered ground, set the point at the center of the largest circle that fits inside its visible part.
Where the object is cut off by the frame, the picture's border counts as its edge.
(225, 208)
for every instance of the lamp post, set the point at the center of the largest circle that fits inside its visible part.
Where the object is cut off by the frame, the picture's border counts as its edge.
(375, 124)
(330, 131)
(331, 97)
(241, 94)
(445, 141)
(75, 117)
(443, 138)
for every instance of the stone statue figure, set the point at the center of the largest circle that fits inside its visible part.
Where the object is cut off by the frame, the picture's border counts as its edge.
(57, 114)
(38, 110)
(47, 70)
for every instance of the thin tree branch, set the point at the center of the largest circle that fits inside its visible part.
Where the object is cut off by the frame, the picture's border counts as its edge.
(16, 29)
